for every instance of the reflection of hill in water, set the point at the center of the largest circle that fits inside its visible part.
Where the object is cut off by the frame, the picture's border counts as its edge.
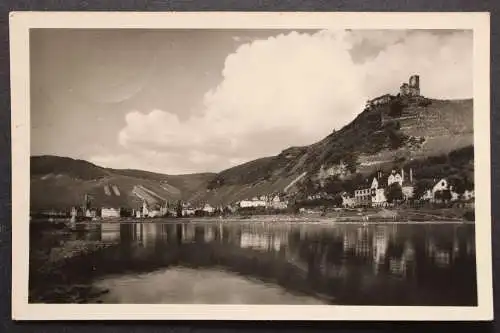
(348, 264)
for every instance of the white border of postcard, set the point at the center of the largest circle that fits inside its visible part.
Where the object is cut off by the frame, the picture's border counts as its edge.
(20, 24)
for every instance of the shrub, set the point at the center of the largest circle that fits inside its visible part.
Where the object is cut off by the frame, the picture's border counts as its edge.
(393, 193)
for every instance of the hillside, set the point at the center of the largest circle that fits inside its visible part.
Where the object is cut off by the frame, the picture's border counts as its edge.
(378, 138)
(61, 182)
(402, 132)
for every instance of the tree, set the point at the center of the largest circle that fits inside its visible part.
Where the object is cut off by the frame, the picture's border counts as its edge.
(295, 207)
(421, 187)
(458, 184)
(438, 195)
(307, 187)
(462, 155)
(337, 200)
(446, 195)
(393, 193)
(351, 161)
(396, 108)
(179, 209)
(442, 195)
(333, 185)
(396, 138)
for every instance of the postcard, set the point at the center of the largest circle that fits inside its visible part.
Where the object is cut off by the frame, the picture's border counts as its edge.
(251, 166)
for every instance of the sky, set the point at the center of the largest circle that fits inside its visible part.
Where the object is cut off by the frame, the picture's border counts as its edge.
(187, 101)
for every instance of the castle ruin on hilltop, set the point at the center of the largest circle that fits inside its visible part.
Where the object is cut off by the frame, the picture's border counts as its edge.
(410, 89)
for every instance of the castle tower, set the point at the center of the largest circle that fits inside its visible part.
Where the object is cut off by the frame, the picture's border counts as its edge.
(414, 85)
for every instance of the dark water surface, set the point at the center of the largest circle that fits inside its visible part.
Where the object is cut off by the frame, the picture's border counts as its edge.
(271, 263)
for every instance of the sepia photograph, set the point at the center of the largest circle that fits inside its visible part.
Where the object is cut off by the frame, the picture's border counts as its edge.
(255, 165)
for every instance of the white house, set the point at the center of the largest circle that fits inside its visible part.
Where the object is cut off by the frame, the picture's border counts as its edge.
(154, 213)
(441, 185)
(363, 196)
(347, 201)
(468, 195)
(276, 203)
(406, 184)
(110, 212)
(188, 211)
(208, 209)
(395, 177)
(90, 213)
(254, 202)
(444, 185)
(377, 192)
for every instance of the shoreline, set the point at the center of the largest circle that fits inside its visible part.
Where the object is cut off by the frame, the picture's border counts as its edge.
(258, 219)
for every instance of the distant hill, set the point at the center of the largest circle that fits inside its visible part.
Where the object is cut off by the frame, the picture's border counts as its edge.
(61, 182)
(397, 133)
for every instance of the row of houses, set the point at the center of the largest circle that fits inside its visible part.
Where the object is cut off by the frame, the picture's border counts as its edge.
(267, 201)
(146, 210)
(375, 195)
(206, 209)
(186, 209)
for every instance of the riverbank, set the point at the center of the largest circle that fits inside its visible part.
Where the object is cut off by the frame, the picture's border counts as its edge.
(53, 255)
(354, 216)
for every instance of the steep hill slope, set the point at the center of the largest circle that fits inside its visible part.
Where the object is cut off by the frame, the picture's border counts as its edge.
(403, 130)
(61, 182)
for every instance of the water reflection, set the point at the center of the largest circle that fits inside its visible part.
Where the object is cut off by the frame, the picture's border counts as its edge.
(349, 264)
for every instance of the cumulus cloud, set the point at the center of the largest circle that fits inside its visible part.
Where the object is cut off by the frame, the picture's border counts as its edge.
(293, 89)
(443, 61)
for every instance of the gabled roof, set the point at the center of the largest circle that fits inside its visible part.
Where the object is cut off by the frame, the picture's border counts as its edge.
(440, 180)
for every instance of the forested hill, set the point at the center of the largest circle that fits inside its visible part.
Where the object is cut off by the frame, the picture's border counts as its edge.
(62, 182)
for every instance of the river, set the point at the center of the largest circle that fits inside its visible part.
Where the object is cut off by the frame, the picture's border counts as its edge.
(275, 263)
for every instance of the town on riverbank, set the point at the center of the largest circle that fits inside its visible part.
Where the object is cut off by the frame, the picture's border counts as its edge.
(400, 200)
(406, 189)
